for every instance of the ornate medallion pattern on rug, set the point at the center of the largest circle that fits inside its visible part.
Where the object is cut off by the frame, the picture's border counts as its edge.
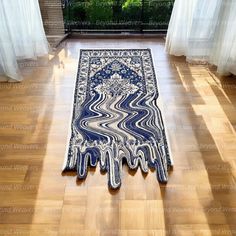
(115, 118)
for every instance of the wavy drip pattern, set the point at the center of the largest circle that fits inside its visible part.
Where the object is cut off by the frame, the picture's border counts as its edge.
(116, 118)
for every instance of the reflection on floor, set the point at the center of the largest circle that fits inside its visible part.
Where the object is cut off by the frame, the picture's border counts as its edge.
(200, 118)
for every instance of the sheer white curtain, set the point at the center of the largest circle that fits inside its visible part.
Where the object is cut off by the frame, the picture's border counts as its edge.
(22, 36)
(204, 31)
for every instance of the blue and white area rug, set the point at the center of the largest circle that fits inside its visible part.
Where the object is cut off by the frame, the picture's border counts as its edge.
(116, 119)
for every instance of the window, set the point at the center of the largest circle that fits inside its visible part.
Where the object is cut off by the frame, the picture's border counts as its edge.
(117, 15)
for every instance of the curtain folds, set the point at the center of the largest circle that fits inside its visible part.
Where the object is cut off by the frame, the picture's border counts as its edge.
(22, 35)
(204, 31)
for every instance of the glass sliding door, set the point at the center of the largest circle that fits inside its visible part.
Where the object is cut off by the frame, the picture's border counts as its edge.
(117, 15)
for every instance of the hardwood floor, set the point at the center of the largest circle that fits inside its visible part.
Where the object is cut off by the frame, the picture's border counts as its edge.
(199, 109)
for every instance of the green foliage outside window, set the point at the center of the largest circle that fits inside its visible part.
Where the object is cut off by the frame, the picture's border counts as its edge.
(111, 14)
